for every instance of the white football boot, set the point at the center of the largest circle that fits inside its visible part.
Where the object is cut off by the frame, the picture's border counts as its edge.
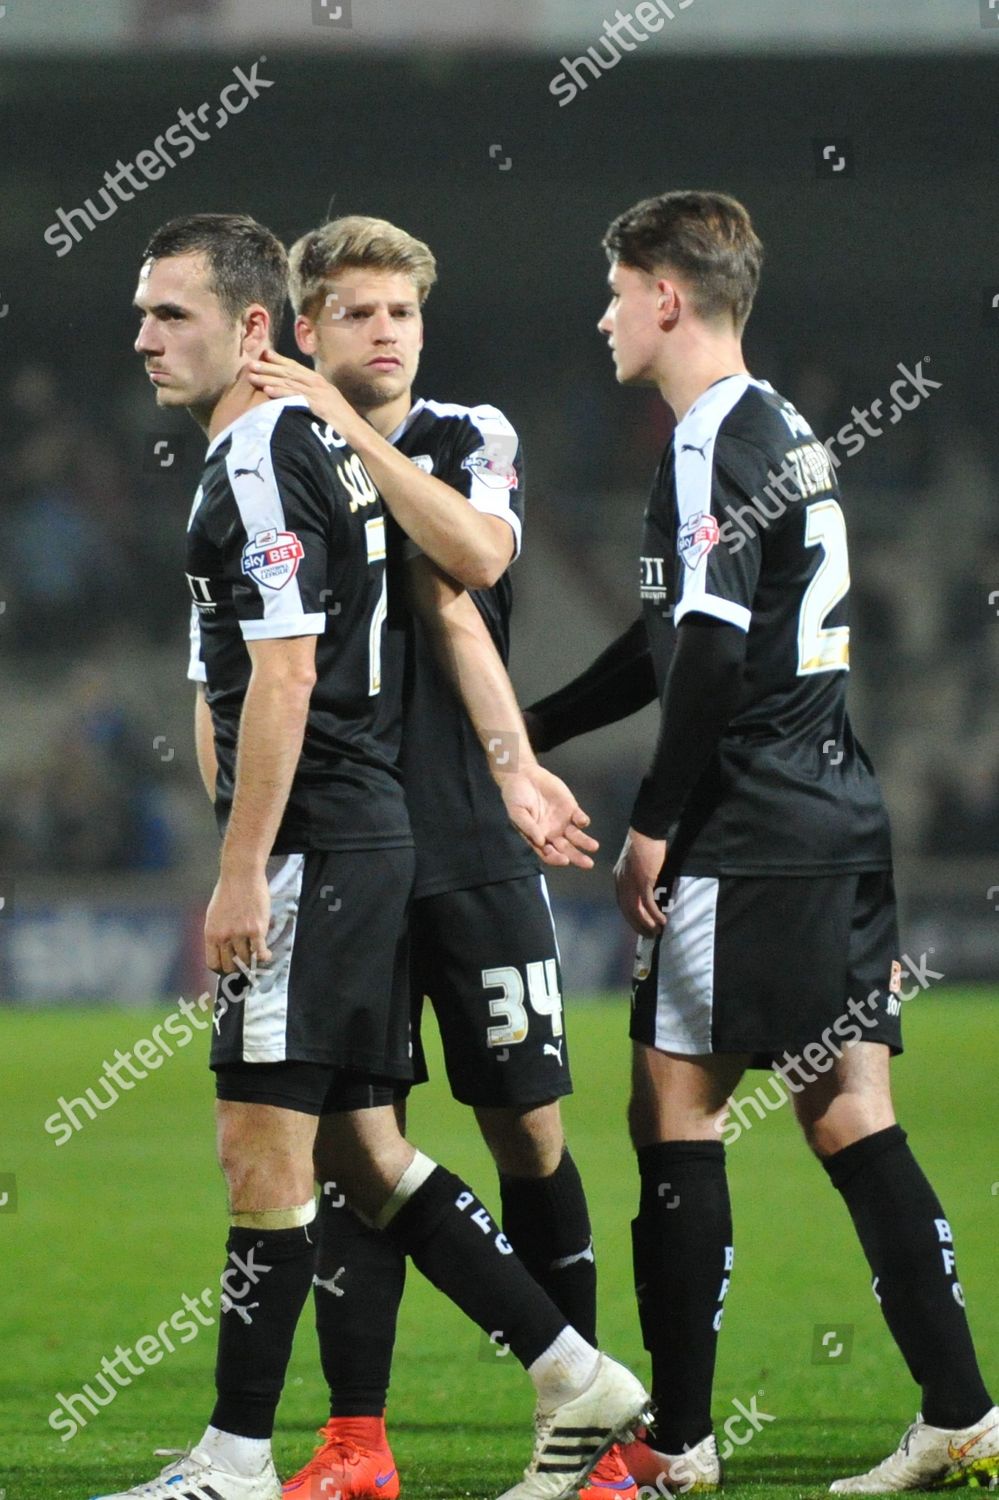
(199, 1475)
(571, 1437)
(934, 1458)
(694, 1471)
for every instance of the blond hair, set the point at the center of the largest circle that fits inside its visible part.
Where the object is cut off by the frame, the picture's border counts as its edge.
(355, 242)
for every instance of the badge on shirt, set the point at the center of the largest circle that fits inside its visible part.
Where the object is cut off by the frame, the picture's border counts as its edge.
(494, 464)
(696, 538)
(271, 559)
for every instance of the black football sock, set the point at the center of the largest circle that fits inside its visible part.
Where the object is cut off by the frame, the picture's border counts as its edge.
(264, 1287)
(548, 1224)
(452, 1239)
(908, 1244)
(682, 1244)
(360, 1276)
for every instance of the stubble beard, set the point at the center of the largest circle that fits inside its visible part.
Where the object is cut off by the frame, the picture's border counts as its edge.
(366, 394)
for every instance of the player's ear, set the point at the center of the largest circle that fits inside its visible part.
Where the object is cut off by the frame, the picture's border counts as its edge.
(667, 303)
(305, 334)
(256, 329)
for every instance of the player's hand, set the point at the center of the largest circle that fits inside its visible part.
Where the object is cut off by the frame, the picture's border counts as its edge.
(543, 809)
(277, 376)
(236, 923)
(636, 876)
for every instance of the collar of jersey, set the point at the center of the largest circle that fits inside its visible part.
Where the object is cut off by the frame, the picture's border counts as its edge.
(704, 400)
(407, 421)
(247, 415)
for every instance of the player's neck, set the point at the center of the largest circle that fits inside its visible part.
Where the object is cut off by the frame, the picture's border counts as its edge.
(239, 398)
(701, 367)
(385, 419)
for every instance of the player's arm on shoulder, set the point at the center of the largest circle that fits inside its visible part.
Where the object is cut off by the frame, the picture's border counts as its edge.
(472, 546)
(540, 805)
(621, 681)
(701, 695)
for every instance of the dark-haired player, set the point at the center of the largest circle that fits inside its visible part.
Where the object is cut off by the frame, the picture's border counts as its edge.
(757, 870)
(286, 564)
(484, 948)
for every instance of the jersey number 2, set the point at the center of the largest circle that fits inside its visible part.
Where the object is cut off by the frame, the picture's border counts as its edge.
(824, 648)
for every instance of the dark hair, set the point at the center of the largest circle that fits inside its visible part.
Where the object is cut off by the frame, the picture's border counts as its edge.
(707, 237)
(246, 262)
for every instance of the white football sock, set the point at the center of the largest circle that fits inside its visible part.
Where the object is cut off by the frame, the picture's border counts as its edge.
(564, 1370)
(241, 1455)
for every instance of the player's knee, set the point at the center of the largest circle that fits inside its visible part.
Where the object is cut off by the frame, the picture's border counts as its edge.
(230, 1150)
(820, 1139)
(242, 1179)
(271, 1175)
(524, 1143)
(838, 1128)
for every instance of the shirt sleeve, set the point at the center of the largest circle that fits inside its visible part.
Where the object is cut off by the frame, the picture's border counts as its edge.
(276, 555)
(488, 468)
(195, 667)
(719, 530)
(701, 694)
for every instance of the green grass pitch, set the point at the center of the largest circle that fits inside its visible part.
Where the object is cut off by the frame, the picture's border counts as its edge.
(111, 1228)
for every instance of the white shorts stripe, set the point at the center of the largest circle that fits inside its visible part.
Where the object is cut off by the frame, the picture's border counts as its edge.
(551, 915)
(265, 1013)
(686, 977)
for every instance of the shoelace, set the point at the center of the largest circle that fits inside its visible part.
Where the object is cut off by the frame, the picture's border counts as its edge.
(907, 1437)
(344, 1452)
(543, 1424)
(158, 1485)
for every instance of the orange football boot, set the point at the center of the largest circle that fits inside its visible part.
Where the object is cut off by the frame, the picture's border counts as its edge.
(609, 1479)
(353, 1462)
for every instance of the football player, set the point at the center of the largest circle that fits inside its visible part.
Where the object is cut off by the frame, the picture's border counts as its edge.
(483, 946)
(286, 565)
(757, 871)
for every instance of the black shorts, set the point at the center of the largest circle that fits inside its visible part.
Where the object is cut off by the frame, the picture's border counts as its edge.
(487, 959)
(336, 991)
(311, 1088)
(765, 965)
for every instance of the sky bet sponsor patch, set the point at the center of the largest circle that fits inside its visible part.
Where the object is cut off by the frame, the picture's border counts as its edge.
(697, 537)
(493, 466)
(271, 559)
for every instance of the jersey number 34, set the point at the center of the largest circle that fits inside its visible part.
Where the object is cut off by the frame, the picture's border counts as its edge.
(508, 1008)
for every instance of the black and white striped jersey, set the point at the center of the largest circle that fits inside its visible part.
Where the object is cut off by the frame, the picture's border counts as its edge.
(463, 835)
(744, 525)
(287, 538)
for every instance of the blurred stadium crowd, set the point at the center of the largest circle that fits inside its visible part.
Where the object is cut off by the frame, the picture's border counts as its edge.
(98, 767)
